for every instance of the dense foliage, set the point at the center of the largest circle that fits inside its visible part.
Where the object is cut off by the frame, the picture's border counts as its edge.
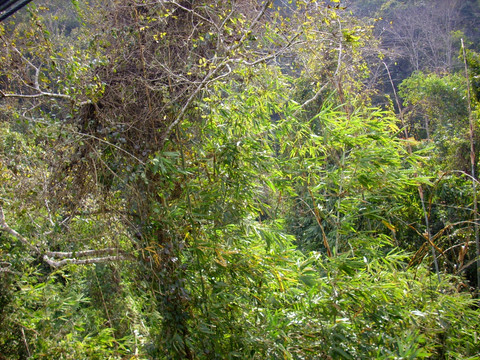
(238, 180)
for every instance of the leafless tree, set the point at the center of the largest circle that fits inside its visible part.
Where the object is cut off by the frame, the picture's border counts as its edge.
(423, 34)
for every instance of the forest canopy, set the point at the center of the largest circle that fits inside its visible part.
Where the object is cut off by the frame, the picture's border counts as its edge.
(242, 179)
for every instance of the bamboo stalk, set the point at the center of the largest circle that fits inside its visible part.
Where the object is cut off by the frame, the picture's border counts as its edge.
(472, 163)
(428, 233)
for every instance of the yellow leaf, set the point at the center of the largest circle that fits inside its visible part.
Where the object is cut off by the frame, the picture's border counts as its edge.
(279, 279)
(220, 260)
(388, 225)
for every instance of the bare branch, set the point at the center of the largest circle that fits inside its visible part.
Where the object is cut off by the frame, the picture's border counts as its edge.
(97, 260)
(5, 267)
(190, 11)
(69, 257)
(109, 143)
(312, 99)
(206, 80)
(4, 226)
(33, 96)
(467, 265)
(36, 83)
(339, 63)
(273, 55)
(250, 28)
(85, 253)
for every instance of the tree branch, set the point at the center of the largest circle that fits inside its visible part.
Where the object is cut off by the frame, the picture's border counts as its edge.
(111, 254)
(5, 267)
(97, 260)
(38, 95)
(250, 28)
(4, 227)
(85, 253)
(200, 87)
(36, 84)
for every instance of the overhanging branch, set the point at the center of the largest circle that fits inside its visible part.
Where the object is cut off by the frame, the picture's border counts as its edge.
(35, 87)
(4, 227)
(96, 260)
(60, 258)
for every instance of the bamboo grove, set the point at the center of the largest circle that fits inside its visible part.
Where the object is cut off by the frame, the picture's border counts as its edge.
(249, 179)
